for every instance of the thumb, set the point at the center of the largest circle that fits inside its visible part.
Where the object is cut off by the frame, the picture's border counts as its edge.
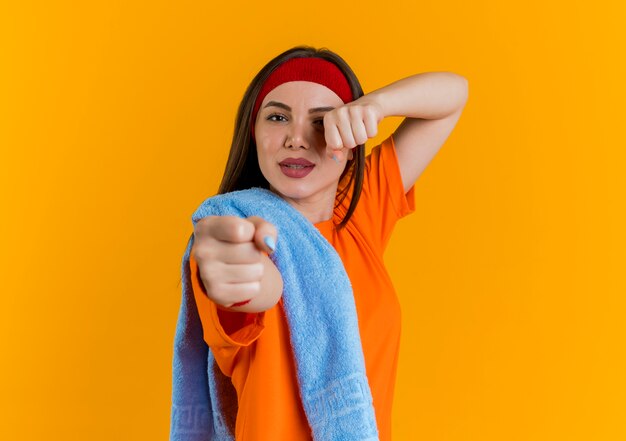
(335, 153)
(265, 235)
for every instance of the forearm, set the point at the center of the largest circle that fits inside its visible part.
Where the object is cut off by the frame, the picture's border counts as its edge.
(428, 95)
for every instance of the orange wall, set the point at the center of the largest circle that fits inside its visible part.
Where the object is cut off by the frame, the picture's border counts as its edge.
(115, 123)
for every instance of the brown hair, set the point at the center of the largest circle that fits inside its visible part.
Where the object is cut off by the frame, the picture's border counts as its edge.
(242, 168)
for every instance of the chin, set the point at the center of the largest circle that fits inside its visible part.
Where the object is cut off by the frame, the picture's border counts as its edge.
(297, 188)
(291, 192)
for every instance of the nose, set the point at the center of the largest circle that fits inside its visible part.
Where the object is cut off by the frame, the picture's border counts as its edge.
(297, 137)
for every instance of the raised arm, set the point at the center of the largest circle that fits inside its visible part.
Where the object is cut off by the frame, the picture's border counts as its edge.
(431, 102)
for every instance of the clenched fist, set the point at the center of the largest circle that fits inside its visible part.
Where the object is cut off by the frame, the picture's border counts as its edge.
(235, 270)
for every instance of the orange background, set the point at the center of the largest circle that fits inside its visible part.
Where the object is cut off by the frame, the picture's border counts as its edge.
(115, 123)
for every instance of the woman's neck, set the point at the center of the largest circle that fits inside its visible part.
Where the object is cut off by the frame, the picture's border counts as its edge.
(317, 208)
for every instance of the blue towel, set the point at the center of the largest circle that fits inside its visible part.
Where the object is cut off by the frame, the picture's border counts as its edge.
(321, 313)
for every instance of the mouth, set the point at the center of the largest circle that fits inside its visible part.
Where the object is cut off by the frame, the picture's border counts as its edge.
(296, 170)
(291, 162)
(295, 166)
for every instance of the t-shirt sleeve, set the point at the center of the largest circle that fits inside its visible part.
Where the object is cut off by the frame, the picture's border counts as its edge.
(226, 332)
(383, 200)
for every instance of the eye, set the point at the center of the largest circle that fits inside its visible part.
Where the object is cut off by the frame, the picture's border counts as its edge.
(275, 115)
(320, 122)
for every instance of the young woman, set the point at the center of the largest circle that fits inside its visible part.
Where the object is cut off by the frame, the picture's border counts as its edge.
(300, 132)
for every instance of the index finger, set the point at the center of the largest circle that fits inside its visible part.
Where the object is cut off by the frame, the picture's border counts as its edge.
(332, 136)
(225, 228)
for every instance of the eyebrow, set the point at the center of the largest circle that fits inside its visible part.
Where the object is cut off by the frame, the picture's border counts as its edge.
(286, 107)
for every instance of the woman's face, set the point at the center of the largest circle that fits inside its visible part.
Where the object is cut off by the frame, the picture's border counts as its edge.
(289, 128)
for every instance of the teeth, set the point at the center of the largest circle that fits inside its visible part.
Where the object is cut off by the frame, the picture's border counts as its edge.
(294, 166)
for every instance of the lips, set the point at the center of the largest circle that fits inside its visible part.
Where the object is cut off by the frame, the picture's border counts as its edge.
(297, 161)
(296, 167)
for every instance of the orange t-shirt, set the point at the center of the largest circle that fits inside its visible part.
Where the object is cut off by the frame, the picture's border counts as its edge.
(254, 349)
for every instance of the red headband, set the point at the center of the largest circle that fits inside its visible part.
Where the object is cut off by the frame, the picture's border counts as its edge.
(316, 70)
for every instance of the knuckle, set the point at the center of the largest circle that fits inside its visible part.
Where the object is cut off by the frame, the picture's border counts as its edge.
(212, 288)
(210, 273)
(204, 225)
(205, 251)
(199, 253)
(204, 221)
